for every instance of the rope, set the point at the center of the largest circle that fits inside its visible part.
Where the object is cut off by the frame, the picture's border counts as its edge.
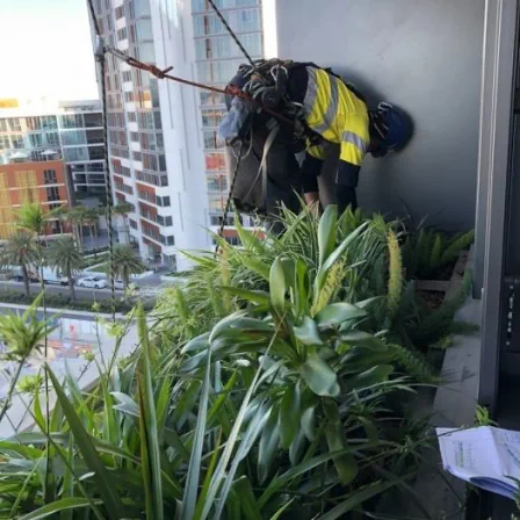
(232, 34)
(163, 74)
(100, 55)
(230, 195)
(108, 185)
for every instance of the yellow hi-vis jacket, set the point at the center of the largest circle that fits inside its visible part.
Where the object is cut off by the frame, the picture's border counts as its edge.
(337, 115)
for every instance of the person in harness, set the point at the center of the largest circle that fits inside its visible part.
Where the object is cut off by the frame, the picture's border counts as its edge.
(300, 106)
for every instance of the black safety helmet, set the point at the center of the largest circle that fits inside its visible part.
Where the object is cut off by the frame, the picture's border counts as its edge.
(391, 127)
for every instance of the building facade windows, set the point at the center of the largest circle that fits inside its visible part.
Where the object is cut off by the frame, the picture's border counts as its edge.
(49, 177)
(53, 194)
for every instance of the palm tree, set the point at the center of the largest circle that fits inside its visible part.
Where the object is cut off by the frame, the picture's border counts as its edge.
(33, 219)
(66, 257)
(126, 262)
(21, 250)
(91, 216)
(123, 209)
(77, 217)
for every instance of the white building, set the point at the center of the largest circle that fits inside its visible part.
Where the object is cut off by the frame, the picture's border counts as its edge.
(165, 157)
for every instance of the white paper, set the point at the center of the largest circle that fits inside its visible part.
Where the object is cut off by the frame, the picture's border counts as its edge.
(485, 456)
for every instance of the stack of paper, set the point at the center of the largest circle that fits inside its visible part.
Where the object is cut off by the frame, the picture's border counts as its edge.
(486, 457)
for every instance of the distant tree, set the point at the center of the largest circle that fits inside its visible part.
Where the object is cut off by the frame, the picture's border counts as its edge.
(21, 250)
(77, 216)
(91, 222)
(65, 256)
(32, 218)
(126, 262)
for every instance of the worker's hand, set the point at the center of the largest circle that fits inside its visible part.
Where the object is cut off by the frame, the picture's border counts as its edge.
(312, 198)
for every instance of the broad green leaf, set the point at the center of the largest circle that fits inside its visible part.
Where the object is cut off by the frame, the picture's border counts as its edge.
(247, 499)
(222, 398)
(85, 445)
(209, 475)
(308, 423)
(150, 449)
(370, 377)
(249, 239)
(327, 233)
(269, 443)
(364, 339)
(258, 297)
(220, 472)
(199, 343)
(280, 482)
(290, 414)
(252, 433)
(302, 290)
(277, 286)
(282, 510)
(320, 378)
(308, 332)
(359, 359)
(57, 507)
(336, 313)
(335, 256)
(191, 486)
(297, 447)
(256, 266)
(370, 303)
(358, 498)
(208, 263)
(346, 464)
(194, 362)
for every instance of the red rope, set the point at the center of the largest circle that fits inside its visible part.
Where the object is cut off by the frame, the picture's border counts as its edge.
(163, 74)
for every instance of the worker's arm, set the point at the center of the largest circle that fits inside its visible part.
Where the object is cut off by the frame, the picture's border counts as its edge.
(354, 145)
(346, 184)
(311, 169)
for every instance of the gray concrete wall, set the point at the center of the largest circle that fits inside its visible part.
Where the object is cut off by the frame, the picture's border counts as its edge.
(423, 55)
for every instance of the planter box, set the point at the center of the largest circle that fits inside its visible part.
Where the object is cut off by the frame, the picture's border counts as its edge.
(451, 405)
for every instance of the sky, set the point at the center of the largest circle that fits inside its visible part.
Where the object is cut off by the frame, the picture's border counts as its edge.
(46, 50)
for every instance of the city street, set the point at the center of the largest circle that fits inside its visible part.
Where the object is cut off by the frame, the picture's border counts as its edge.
(148, 287)
(81, 293)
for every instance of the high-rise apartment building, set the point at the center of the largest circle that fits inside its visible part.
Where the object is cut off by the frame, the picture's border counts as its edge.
(217, 60)
(155, 148)
(165, 157)
(41, 130)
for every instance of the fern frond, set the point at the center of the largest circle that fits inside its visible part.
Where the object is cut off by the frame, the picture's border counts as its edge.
(414, 365)
(440, 322)
(457, 245)
(435, 257)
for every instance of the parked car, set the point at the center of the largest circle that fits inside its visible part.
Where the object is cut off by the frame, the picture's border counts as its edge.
(120, 285)
(93, 282)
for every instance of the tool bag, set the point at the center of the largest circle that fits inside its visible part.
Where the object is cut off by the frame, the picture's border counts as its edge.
(268, 174)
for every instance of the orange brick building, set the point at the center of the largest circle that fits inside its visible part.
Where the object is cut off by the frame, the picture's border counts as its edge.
(43, 183)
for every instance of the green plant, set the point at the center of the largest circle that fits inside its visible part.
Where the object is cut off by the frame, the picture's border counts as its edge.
(126, 262)
(77, 216)
(66, 257)
(427, 252)
(22, 336)
(483, 418)
(21, 250)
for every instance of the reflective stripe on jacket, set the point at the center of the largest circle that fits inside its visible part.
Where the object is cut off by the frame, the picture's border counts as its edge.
(338, 115)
